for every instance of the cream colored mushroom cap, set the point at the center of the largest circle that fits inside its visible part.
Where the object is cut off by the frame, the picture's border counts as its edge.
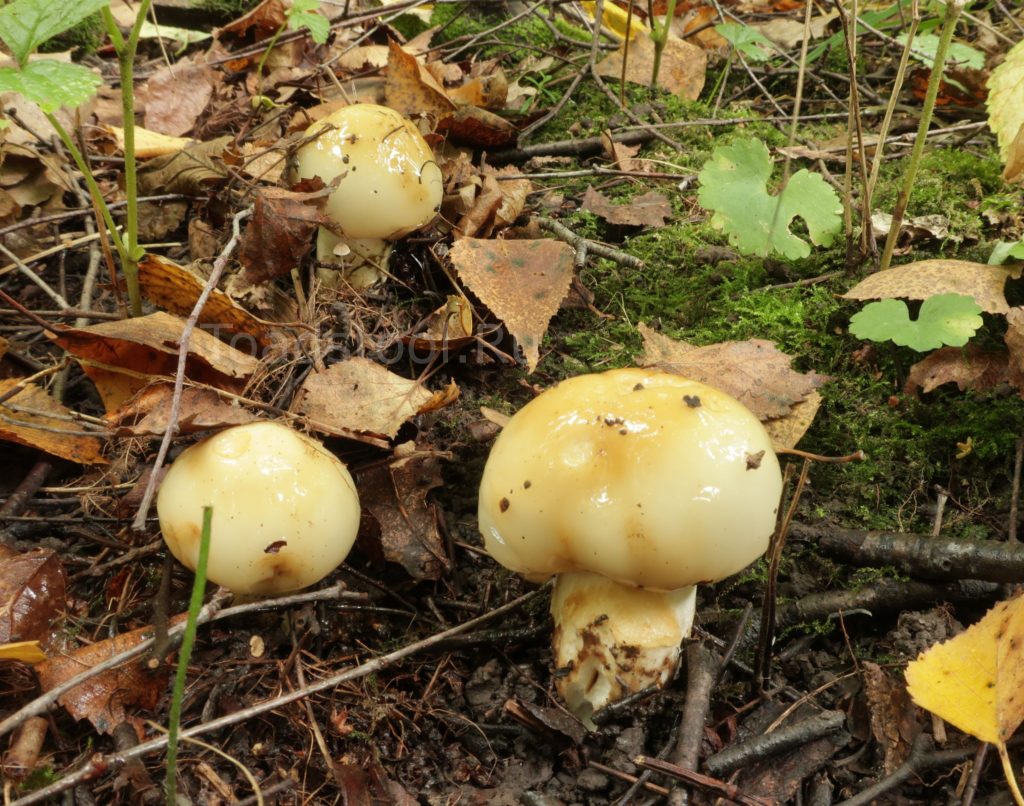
(285, 510)
(390, 184)
(645, 477)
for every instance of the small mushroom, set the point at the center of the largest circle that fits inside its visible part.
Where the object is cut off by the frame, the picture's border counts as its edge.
(389, 185)
(285, 510)
(632, 486)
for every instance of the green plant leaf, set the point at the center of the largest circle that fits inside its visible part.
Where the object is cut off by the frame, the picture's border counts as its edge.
(925, 45)
(734, 185)
(26, 24)
(748, 41)
(51, 84)
(1006, 250)
(305, 14)
(945, 319)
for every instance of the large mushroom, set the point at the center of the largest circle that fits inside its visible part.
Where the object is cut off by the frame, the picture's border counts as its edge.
(285, 510)
(388, 185)
(633, 486)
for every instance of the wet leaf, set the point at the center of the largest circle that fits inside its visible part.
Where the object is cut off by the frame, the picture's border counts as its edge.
(651, 209)
(927, 278)
(105, 699)
(35, 419)
(148, 413)
(32, 594)
(522, 282)
(280, 233)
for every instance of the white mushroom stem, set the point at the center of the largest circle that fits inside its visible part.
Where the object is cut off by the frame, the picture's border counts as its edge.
(612, 639)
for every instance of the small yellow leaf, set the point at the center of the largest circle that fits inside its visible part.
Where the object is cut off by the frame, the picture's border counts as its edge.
(615, 19)
(964, 449)
(975, 681)
(25, 651)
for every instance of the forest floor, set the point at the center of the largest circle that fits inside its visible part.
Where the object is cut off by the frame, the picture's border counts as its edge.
(902, 465)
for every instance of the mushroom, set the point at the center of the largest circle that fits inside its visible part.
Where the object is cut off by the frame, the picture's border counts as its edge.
(389, 185)
(285, 510)
(633, 486)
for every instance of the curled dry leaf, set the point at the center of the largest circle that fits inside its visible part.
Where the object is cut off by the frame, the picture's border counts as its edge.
(411, 89)
(149, 144)
(395, 496)
(148, 413)
(105, 699)
(498, 203)
(122, 357)
(32, 588)
(358, 398)
(31, 417)
(449, 328)
(651, 209)
(755, 372)
(261, 23)
(928, 278)
(177, 288)
(191, 171)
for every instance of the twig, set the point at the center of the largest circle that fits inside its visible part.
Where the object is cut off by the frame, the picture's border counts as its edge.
(139, 524)
(924, 556)
(702, 666)
(772, 744)
(1018, 456)
(705, 782)
(98, 765)
(563, 233)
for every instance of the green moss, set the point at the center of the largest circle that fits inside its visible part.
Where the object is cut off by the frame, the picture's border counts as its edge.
(228, 9)
(83, 38)
(511, 43)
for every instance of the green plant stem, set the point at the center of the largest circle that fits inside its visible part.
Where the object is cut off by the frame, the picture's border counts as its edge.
(90, 182)
(126, 50)
(187, 641)
(953, 9)
(659, 35)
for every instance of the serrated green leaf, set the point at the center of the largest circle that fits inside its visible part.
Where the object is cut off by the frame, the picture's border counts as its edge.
(305, 14)
(945, 319)
(51, 84)
(26, 24)
(748, 41)
(734, 185)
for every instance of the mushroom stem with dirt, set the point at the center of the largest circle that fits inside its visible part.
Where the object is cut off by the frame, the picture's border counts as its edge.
(388, 185)
(633, 486)
(285, 509)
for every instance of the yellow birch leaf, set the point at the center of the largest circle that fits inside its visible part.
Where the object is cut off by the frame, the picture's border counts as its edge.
(975, 680)
(24, 651)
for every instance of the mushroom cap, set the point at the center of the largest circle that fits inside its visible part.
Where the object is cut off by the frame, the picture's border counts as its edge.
(285, 510)
(644, 477)
(390, 184)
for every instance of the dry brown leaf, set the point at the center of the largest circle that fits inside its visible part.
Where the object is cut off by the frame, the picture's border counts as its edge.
(755, 372)
(177, 288)
(265, 20)
(498, 203)
(786, 432)
(411, 89)
(478, 128)
(105, 699)
(651, 209)
(489, 91)
(176, 95)
(1014, 170)
(522, 282)
(192, 171)
(280, 233)
(32, 586)
(148, 413)
(446, 330)
(927, 278)
(970, 367)
(31, 417)
(893, 723)
(1014, 339)
(395, 496)
(683, 66)
(358, 396)
(124, 356)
